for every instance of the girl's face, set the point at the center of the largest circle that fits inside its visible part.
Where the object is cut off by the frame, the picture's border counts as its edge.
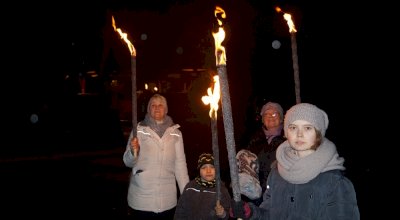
(301, 136)
(207, 172)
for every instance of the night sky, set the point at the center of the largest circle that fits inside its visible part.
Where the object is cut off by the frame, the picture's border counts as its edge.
(342, 51)
(338, 44)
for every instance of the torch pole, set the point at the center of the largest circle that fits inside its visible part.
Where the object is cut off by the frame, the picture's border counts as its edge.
(295, 67)
(229, 135)
(215, 148)
(134, 99)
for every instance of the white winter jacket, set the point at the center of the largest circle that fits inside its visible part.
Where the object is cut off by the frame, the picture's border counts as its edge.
(160, 164)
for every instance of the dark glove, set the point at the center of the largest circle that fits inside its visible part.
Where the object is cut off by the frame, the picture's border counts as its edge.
(240, 210)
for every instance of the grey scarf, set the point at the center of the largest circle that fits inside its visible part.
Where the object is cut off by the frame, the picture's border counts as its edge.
(159, 128)
(298, 170)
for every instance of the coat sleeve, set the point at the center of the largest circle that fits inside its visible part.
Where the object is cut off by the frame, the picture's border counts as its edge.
(341, 202)
(181, 211)
(128, 158)
(225, 200)
(181, 171)
(262, 211)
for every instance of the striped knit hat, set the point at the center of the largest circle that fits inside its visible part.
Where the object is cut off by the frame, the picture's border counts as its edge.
(205, 158)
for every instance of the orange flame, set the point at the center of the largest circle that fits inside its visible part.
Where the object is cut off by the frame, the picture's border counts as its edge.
(288, 18)
(219, 37)
(213, 97)
(124, 36)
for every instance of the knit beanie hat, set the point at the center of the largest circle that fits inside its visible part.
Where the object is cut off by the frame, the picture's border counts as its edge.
(307, 112)
(274, 106)
(205, 158)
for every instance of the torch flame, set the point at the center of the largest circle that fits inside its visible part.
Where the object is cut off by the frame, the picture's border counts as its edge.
(219, 10)
(219, 38)
(213, 98)
(288, 18)
(124, 36)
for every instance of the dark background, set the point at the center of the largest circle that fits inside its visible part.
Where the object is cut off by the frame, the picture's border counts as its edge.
(74, 152)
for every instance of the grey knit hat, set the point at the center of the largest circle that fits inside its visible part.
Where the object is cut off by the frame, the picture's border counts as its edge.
(307, 112)
(272, 105)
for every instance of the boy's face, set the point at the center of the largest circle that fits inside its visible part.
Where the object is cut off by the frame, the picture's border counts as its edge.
(207, 172)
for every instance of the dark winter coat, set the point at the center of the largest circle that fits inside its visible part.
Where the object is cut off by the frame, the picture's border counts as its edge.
(329, 196)
(198, 202)
(266, 153)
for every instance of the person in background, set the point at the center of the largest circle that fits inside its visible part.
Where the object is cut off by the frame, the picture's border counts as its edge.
(307, 179)
(199, 198)
(266, 140)
(157, 158)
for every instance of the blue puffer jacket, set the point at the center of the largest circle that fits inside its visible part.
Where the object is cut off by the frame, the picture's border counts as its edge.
(328, 196)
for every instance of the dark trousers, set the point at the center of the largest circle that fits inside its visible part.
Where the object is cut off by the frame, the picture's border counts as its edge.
(138, 214)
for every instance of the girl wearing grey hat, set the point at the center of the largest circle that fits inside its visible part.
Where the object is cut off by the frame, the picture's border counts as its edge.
(307, 181)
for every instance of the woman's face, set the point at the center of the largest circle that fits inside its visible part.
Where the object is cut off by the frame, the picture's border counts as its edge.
(301, 136)
(271, 119)
(157, 110)
(207, 172)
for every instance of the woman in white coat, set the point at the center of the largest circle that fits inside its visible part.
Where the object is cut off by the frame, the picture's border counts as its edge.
(157, 158)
